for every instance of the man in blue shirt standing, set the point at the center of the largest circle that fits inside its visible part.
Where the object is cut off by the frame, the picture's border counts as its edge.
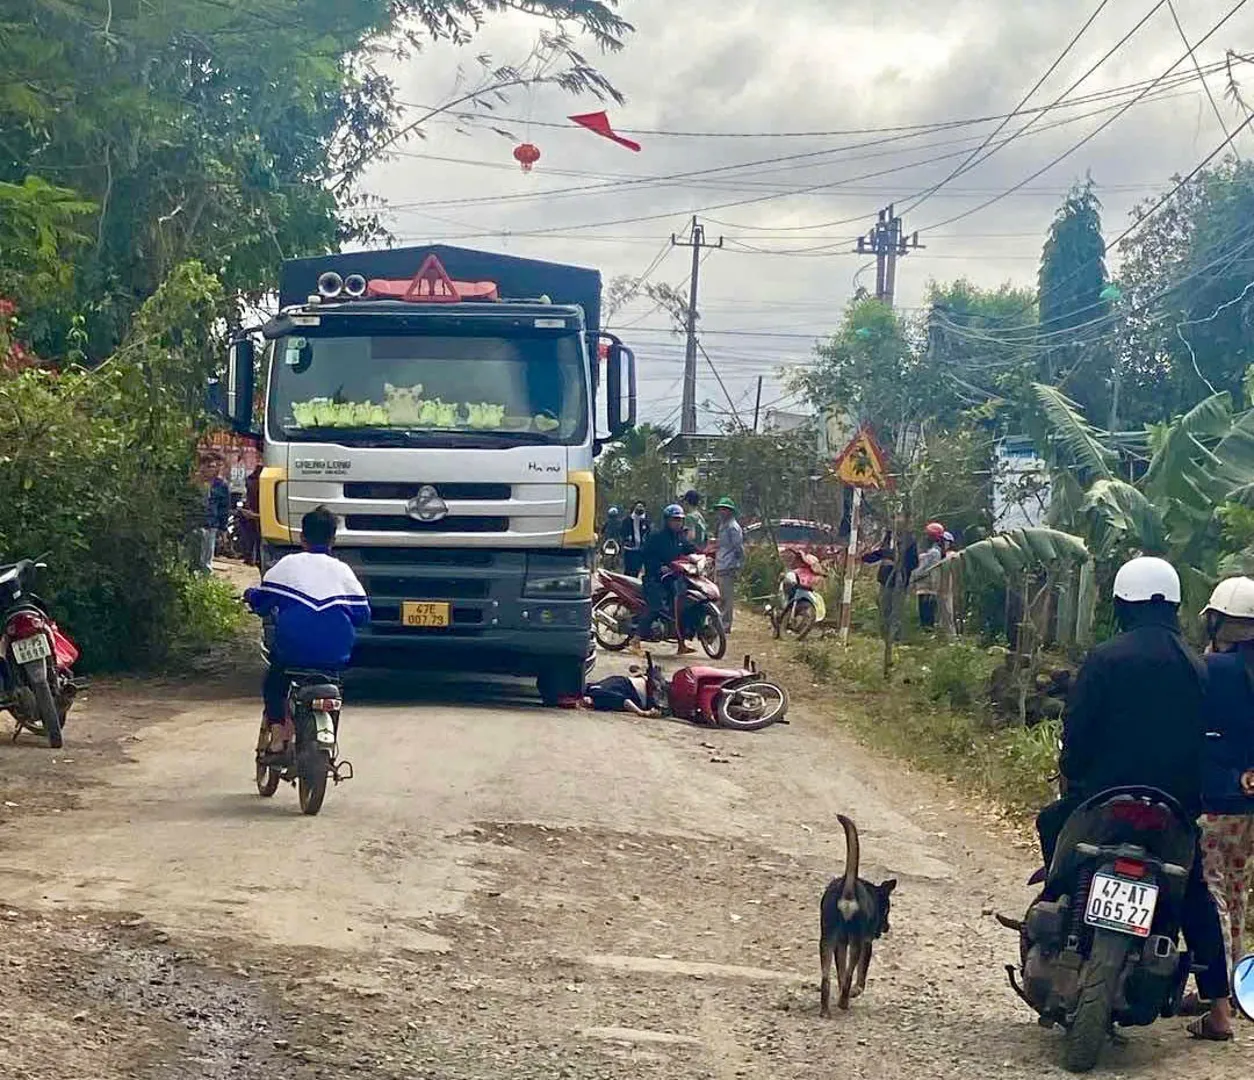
(729, 558)
(316, 604)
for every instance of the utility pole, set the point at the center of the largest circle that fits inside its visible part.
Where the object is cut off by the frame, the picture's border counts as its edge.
(757, 406)
(696, 241)
(887, 241)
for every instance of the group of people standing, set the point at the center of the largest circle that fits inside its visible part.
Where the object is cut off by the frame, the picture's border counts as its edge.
(933, 573)
(647, 552)
(218, 500)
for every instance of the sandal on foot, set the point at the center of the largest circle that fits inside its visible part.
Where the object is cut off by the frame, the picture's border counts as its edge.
(1192, 1005)
(1201, 1029)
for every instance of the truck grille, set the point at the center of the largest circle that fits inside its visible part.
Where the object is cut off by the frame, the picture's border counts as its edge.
(415, 556)
(454, 523)
(428, 588)
(451, 492)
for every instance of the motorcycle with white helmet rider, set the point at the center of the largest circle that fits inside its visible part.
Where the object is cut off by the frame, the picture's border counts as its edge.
(1135, 719)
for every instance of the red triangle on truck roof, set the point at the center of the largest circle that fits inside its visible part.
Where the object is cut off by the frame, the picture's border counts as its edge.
(432, 284)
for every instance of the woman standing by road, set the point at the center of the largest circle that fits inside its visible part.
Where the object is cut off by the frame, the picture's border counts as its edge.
(1228, 790)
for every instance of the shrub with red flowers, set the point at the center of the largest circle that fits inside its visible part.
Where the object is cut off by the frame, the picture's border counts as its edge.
(14, 356)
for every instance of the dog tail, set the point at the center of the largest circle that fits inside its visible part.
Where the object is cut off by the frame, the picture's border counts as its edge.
(848, 902)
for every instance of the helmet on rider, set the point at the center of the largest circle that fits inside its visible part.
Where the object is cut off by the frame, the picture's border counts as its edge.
(1146, 579)
(1147, 590)
(1229, 613)
(935, 530)
(692, 498)
(613, 512)
(673, 511)
(726, 503)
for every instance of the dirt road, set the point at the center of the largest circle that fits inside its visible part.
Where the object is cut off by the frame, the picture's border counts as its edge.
(503, 891)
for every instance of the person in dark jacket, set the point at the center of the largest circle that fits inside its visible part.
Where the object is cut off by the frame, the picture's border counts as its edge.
(893, 584)
(660, 550)
(1228, 779)
(635, 531)
(1136, 717)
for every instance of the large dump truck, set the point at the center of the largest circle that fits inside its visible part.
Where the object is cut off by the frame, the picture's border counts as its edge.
(446, 405)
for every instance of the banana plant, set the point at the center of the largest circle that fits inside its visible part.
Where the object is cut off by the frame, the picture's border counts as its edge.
(1198, 461)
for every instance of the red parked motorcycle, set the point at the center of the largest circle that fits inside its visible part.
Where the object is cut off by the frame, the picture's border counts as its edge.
(619, 601)
(740, 698)
(799, 605)
(37, 684)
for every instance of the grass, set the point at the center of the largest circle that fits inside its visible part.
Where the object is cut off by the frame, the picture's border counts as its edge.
(932, 713)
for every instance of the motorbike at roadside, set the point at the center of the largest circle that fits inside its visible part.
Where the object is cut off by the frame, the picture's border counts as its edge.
(610, 554)
(618, 601)
(799, 605)
(37, 683)
(743, 699)
(1101, 945)
(311, 756)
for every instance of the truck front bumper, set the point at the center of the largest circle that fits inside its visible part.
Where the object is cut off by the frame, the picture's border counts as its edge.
(493, 626)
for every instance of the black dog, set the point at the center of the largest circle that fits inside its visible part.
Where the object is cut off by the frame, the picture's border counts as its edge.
(853, 913)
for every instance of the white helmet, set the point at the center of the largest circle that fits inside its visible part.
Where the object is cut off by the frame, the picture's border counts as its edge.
(1233, 597)
(1147, 578)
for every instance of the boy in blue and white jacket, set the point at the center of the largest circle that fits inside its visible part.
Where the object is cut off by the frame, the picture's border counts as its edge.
(317, 603)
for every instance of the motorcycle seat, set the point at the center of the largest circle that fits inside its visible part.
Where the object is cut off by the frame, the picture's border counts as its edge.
(622, 579)
(313, 691)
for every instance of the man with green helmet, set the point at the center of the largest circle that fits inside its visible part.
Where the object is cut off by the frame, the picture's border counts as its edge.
(729, 558)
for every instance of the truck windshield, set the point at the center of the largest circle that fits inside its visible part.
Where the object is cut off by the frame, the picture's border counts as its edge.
(525, 389)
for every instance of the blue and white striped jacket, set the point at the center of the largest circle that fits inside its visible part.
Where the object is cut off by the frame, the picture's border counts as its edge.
(317, 603)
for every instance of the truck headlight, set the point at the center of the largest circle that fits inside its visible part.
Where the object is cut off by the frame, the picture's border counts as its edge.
(557, 577)
(572, 506)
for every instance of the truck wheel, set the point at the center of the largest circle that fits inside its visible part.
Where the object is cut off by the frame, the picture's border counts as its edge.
(561, 679)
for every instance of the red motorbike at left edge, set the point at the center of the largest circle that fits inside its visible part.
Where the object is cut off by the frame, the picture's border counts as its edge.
(37, 684)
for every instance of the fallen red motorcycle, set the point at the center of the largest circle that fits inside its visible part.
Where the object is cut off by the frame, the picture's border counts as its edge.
(618, 602)
(740, 698)
(37, 684)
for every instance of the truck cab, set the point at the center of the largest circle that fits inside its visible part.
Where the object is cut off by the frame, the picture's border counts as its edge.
(443, 404)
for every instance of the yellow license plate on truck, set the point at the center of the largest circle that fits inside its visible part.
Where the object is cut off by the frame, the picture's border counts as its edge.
(426, 615)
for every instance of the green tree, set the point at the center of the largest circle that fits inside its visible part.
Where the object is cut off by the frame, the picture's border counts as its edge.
(1070, 285)
(228, 133)
(874, 369)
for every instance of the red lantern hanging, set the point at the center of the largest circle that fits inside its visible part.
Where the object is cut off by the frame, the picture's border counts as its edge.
(526, 154)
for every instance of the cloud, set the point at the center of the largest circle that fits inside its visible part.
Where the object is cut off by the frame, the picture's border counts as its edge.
(759, 69)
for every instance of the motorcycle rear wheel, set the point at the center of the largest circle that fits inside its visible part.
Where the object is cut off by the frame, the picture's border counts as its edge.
(711, 634)
(750, 704)
(267, 781)
(802, 619)
(1082, 1044)
(615, 640)
(311, 783)
(46, 710)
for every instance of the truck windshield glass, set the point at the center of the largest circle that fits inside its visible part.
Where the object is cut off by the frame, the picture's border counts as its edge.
(530, 388)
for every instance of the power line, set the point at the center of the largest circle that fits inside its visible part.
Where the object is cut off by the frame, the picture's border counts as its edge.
(1091, 135)
(939, 125)
(791, 159)
(1076, 84)
(1198, 68)
(1013, 113)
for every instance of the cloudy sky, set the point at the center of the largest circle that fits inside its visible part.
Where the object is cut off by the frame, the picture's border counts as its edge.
(802, 120)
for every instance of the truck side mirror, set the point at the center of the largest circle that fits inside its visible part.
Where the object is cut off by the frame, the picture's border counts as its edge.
(239, 385)
(620, 367)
